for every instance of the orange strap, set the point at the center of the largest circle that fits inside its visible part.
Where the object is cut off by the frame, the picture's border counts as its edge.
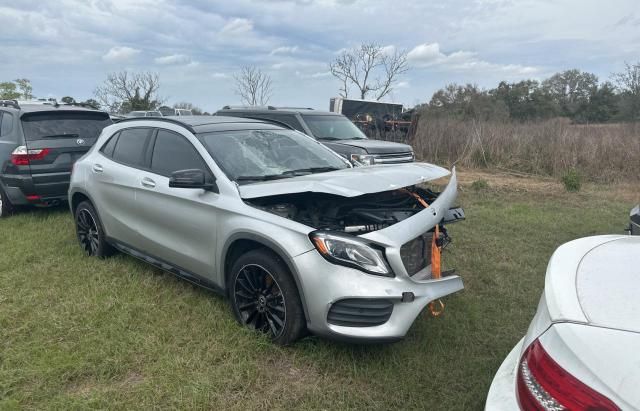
(436, 268)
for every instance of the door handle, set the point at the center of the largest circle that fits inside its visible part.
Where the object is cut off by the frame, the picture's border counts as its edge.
(97, 168)
(149, 183)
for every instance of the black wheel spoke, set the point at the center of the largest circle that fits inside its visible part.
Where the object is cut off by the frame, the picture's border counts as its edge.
(87, 231)
(243, 307)
(259, 301)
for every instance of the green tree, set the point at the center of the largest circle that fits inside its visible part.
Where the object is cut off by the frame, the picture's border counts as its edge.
(571, 90)
(26, 90)
(68, 100)
(602, 106)
(628, 81)
(8, 91)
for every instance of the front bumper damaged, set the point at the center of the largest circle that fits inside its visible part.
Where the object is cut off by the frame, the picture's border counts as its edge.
(348, 304)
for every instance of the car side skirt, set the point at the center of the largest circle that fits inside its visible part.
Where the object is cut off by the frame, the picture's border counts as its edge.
(165, 266)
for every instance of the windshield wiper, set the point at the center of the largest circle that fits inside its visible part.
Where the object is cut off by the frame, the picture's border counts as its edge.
(261, 178)
(72, 135)
(310, 170)
(341, 138)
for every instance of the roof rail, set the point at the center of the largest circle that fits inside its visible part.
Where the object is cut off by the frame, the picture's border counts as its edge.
(294, 108)
(10, 103)
(41, 101)
(164, 119)
(269, 120)
(250, 107)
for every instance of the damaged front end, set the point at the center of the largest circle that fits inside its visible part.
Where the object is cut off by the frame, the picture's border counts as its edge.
(378, 233)
(370, 217)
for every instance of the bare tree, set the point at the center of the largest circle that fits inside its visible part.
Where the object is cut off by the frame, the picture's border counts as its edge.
(253, 86)
(371, 68)
(124, 91)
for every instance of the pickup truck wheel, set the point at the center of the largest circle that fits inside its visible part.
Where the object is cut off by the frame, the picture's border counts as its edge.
(90, 232)
(6, 208)
(264, 297)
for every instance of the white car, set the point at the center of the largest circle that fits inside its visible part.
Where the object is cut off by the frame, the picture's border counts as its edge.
(582, 349)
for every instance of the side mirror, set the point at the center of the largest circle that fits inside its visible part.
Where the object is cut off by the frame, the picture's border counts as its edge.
(193, 179)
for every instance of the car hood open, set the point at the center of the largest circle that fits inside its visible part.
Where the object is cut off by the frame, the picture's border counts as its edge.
(350, 182)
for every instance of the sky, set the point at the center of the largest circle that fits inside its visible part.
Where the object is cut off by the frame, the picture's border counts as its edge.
(68, 47)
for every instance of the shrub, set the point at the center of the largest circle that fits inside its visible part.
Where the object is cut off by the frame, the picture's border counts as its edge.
(479, 185)
(572, 180)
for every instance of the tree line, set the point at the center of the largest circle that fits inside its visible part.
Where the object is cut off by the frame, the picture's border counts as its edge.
(574, 94)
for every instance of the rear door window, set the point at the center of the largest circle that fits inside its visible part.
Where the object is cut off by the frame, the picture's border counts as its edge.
(131, 147)
(173, 152)
(64, 124)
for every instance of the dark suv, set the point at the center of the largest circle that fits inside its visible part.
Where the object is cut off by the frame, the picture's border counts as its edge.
(333, 130)
(39, 142)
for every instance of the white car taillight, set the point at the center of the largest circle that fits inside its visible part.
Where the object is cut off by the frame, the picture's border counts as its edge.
(542, 385)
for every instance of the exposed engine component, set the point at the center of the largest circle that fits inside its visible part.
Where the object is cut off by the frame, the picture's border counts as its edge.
(358, 215)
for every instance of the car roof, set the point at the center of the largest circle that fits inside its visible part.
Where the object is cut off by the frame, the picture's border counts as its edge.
(26, 107)
(276, 110)
(206, 124)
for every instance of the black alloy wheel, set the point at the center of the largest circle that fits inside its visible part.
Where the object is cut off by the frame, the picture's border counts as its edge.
(260, 301)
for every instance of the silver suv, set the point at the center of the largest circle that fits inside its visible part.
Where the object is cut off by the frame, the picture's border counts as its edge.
(293, 235)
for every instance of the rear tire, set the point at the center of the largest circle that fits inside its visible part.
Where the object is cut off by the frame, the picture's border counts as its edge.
(264, 296)
(90, 232)
(6, 208)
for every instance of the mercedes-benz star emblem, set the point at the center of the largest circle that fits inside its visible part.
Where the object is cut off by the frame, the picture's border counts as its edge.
(80, 142)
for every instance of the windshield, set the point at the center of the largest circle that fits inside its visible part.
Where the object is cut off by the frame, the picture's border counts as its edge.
(333, 127)
(64, 124)
(249, 156)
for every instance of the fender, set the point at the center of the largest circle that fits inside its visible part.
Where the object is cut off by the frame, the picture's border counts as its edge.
(273, 246)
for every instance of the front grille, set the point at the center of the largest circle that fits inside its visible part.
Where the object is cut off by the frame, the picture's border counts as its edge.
(394, 158)
(360, 312)
(416, 254)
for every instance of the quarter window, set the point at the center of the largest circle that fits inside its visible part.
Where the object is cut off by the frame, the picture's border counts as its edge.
(6, 123)
(172, 152)
(107, 149)
(131, 146)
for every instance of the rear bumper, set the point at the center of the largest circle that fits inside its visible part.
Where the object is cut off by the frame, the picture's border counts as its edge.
(502, 393)
(49, 188)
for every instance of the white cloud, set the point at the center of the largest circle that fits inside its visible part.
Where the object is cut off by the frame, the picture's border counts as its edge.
(237, 26)
(120, 54)
(284, 50)
(430, 55)
(173, 59)
(219, 75)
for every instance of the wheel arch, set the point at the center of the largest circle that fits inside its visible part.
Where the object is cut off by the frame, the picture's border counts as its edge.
(241, 243)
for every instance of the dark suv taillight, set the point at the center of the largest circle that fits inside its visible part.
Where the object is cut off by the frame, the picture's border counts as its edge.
(545, 386)
(22, 156)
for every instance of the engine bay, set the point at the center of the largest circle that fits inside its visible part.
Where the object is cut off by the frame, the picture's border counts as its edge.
(356, 215)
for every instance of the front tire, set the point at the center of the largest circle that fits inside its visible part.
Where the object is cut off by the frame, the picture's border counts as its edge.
(90, 232)
(264, 297)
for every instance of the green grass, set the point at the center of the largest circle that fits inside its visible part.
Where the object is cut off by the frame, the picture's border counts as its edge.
(78, 333)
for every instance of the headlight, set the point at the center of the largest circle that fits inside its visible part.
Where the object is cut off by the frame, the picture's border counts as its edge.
(362, 159)
(351, 252)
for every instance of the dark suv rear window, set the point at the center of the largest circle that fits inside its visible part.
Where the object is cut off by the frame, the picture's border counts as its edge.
(80, 124)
